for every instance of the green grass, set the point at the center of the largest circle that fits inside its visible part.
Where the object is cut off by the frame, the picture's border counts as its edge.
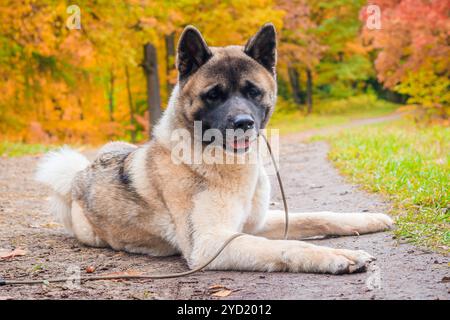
(18, 149)
(289, 119)
(409, 165)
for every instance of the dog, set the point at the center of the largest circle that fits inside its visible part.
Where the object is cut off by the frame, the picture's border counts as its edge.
(139, 200)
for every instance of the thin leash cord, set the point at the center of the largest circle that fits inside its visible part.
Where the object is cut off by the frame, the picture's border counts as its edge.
(280, 183)
(128, 276)
(4, 282)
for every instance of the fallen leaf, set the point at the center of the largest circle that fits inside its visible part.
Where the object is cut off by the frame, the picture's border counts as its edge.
(50, 225)
(222, 293)
(11, 254)
(119, 254)
(216, 287)
(219, 290)
(122, 273)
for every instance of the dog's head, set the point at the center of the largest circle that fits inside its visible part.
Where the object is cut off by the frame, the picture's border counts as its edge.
(228, 89)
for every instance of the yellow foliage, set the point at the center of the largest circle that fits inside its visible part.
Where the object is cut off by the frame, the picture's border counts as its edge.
(428, 91)
(57, 83)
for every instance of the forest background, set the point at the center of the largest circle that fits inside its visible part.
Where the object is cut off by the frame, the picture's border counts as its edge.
(77, 72)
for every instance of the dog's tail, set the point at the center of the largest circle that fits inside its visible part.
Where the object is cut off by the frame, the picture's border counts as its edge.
(57, 170)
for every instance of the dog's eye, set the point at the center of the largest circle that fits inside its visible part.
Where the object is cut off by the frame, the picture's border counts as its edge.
(214, 94)
(253, 92)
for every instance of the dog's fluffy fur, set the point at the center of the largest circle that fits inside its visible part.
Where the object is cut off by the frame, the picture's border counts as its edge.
(138, 200)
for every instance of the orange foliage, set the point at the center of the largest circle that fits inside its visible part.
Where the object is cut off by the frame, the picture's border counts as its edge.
(69, 85)
(61, 85)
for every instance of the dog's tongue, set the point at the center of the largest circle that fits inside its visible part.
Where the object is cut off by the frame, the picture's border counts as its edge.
(241, 144)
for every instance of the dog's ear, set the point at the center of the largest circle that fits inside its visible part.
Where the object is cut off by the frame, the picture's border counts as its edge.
(263, 47)
(192, 52)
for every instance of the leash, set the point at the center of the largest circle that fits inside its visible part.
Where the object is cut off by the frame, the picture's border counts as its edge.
(280, 183)
(128, 276)
(5, 282)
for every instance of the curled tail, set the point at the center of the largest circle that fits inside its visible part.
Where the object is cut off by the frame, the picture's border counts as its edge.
(57, 169)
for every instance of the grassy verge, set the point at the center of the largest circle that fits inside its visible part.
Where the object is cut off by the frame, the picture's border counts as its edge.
(289, 119)
(18, 149)
(409, 165)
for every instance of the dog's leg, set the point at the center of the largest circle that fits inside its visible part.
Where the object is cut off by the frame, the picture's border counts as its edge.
(252, 253)
(305, 225)
(216, 217)
(82, 228)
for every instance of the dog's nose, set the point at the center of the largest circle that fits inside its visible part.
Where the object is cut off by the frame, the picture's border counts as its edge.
(243, 121)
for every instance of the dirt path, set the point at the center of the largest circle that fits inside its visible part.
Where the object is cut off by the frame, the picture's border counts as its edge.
(400, 272)
(305, 135)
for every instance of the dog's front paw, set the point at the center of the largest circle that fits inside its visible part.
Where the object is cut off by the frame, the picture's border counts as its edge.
(328, 260)
(358, 260)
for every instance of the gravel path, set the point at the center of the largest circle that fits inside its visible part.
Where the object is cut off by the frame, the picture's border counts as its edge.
(312, 184)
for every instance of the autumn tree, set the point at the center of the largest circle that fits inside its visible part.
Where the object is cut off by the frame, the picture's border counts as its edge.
(345, 65)
(87, 85)
(299, 49)
(413, 55)
(321, 40)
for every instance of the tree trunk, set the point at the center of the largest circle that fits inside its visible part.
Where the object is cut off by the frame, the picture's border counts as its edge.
(130, 102)
(295, 85)
(111, 95)
(150, 66)
(170, 60)
(309, 93)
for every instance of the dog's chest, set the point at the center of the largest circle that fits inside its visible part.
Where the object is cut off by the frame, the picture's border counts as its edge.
(241, 192)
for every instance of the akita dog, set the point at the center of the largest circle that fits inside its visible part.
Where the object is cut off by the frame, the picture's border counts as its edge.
(138, 199)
